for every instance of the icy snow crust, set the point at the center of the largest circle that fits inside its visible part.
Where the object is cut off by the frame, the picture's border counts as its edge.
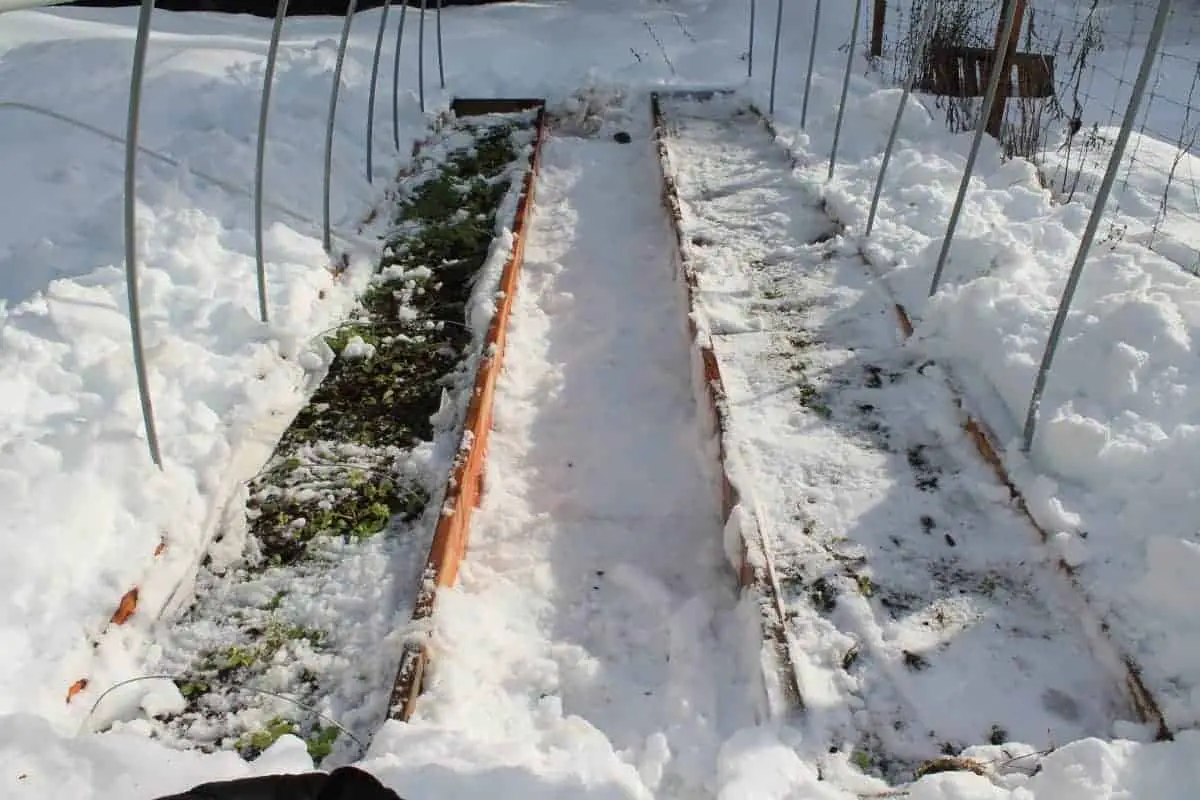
(85, 509)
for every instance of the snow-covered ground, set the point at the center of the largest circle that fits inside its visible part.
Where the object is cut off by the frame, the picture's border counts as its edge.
(1157, 198)
(908, 579)
(539, 688)
(1110, 464)
(85, 507)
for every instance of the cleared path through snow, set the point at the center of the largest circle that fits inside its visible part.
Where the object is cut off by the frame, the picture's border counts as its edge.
(596, 585)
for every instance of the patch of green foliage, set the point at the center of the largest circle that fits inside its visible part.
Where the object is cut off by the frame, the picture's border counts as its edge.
(262, 646)
(414, 317)
(253, 743)
(295, 503)
(320, 742)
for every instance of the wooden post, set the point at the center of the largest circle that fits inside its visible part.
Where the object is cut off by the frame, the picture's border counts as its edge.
(877, 19)
(996, 120)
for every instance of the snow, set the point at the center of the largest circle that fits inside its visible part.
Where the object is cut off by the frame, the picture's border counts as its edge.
(1112, 453)
(595, 542)
(86, 509)
(1156, 202)
(539, 686)
(869, 493)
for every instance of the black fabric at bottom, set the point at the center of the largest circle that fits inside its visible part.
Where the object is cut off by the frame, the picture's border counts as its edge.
(345, 783)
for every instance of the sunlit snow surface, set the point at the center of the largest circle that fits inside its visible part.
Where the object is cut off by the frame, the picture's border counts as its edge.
(529, 669)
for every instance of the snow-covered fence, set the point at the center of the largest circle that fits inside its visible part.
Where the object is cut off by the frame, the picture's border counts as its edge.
(1090, 50)
(133, 149)
(1156, 201)
(1122, 121)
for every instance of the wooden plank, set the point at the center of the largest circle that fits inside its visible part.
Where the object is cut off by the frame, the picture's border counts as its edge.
(963, 72)
(464, 487)
(1035, 75)
(878, 18)
(478, 106)
(974, 84)
(1009, 49)
(755, 576)
(988, 445)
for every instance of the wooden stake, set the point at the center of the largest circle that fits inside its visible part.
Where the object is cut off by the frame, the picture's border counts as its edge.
(877, 20)
(996, 121)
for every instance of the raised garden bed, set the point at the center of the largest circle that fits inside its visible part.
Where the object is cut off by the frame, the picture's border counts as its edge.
(286, 634)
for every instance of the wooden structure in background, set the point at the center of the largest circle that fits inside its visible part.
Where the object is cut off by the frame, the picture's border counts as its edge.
(965, 71)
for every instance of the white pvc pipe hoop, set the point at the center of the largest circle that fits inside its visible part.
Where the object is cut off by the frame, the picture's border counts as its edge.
(989, 102)
(206, 177)
(396, 70)
(383, 18)
(750, 51)
(260, 157)
(914, 71)
(441, 60)
(137, 73)
(421, 57)
(396, 77)
(775, 56)
(133, 148)
(327, 235)
(812, 60)
(841, 115)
